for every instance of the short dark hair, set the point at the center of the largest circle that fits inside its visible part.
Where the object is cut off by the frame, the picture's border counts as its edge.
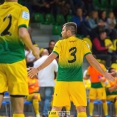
(51, 41)
(71, 26)
(109, 71)
(101, 32)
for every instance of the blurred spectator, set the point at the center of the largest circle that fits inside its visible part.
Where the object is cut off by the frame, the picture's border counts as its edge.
(46, 82)
(61, 7)
(1, 2)
(71, 2)
(103, 18)
(30, 58)
(51, 46)
(111, 23)
(65, 8)
(40, 6)
(93, 20)
(89, 6)
(101, 52)
(112, 90)
(78, 3)
(94, 25)
(96, 89)
(49, 5)
(82, 23)
(34, 96)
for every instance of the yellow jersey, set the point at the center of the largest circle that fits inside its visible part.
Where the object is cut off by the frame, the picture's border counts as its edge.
(12, 17)
(71, 52)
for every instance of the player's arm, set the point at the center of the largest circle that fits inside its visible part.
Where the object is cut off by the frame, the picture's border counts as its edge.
(51, 57)
(25, 37)
(23, 23)
(93, 62)
(34, 71)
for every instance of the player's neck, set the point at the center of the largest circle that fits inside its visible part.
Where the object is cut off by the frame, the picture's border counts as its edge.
(71, 36)
(11, 0)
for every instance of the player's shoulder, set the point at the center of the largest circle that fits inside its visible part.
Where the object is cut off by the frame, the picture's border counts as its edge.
(59, 42)
(84, 42)
(19, 7)
(22, 7)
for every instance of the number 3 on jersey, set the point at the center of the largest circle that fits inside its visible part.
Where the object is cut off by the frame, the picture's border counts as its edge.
(73, 51)
(6, 30)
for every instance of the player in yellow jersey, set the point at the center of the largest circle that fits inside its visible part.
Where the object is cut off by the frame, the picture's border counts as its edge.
(14, 20)
(34, 96)
(97, 91)
(69, 86)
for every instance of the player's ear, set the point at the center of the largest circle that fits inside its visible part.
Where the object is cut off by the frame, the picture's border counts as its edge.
(69, 32)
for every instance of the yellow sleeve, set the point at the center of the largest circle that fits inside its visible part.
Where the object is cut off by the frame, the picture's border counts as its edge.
(24, 18)
(86, 48)
(57, 48)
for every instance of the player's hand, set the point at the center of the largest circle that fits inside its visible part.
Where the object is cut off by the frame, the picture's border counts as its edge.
(33, 71)
(35, 52)
(102, 79)
(109, 77)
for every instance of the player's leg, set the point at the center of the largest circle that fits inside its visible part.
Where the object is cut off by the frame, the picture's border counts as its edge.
(115, 105)
(35, 99)
(91, 107)
(17, 86)
(60, 99)
(102, 96)
(1, 98)
(67, 109)
(113, 98)
(17, 103)
(78, 96)
(3, 83)
(92, 97)
(105, 107)
(81, 110)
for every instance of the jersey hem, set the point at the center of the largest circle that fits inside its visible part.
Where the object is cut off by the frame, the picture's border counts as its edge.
(87, 53)
(55, 52)
(23, 25)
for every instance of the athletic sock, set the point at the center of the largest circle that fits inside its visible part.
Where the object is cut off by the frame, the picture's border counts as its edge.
(91, 108)
(82, 114)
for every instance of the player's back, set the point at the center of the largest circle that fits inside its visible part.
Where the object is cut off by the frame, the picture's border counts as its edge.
(71, 54)
(11, 47)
